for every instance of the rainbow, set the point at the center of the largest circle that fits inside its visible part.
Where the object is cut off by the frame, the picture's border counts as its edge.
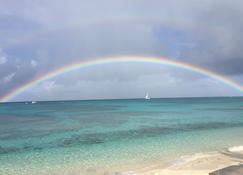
(119, 59)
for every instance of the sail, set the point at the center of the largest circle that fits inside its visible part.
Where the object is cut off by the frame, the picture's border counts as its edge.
(147, 96)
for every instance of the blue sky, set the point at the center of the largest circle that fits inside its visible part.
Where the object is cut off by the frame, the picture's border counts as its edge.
(40, 36)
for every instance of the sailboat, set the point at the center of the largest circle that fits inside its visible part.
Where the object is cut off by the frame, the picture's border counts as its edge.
(147, 96)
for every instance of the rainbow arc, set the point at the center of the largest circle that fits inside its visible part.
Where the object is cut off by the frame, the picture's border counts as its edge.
(121, 59)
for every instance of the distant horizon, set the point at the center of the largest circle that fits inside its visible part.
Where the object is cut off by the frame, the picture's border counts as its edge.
(138, 98)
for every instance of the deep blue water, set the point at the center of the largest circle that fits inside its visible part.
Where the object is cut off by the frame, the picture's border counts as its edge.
(45, 136)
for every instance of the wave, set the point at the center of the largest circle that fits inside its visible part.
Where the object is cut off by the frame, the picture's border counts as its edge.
(190, 158)
(236, 148)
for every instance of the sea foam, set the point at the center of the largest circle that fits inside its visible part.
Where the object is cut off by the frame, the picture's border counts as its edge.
(190, 158)
(236, 148)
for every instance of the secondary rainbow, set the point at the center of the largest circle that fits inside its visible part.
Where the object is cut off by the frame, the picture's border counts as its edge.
(127, 59)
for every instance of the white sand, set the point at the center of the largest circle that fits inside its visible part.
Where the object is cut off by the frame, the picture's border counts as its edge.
(199, 164)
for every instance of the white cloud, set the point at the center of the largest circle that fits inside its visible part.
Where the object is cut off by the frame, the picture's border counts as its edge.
(48, 85)
(8, 78)
(3, 58)
(33, 63)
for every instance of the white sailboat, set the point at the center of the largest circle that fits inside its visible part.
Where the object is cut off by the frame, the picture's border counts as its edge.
(147, 96)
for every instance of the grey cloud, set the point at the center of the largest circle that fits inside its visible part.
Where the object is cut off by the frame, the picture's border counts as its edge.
(216, 31)
(8, 78)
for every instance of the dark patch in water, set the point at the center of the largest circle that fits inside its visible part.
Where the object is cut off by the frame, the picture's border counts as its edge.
(76, 140)
(6, 150)
(214, 125)
(223, 109)
(100, 138)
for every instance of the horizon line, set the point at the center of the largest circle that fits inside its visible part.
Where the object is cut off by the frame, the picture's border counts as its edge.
(135, 98)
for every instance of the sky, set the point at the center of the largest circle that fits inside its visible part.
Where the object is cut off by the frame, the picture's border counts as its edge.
(38, 36)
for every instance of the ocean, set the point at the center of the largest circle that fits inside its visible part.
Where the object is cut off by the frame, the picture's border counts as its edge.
(107, 136)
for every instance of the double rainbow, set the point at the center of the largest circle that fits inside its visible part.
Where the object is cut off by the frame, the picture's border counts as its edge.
(126, 59)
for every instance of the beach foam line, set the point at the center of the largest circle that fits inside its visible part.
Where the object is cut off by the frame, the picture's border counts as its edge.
(190, 158)
(236, 148)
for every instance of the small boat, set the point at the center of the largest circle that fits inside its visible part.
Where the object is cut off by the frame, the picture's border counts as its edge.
(33, 102)
(147, 96)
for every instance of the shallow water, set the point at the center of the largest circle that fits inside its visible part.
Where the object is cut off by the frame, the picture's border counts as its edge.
(46, 137)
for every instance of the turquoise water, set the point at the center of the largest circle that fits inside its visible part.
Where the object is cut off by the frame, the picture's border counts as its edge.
(45, 137)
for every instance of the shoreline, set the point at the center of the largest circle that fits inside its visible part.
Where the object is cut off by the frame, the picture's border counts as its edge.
(195, 164)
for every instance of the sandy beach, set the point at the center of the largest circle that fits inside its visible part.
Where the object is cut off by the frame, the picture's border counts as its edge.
(200, 163)
(197, 164)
